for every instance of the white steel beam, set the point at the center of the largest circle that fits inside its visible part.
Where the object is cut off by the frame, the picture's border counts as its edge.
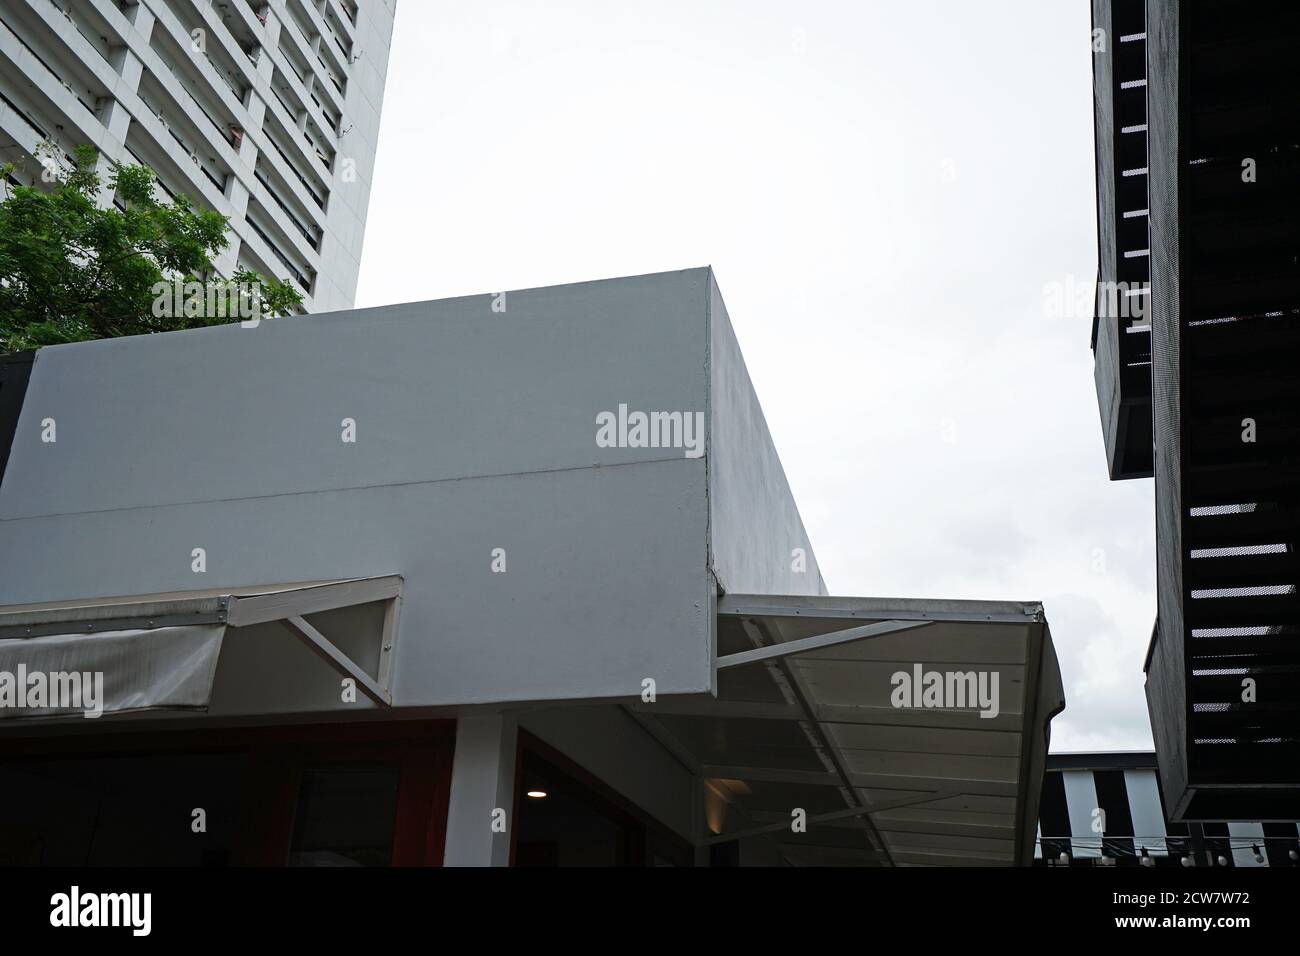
(326, 650)
(297, 602)
(817, 642)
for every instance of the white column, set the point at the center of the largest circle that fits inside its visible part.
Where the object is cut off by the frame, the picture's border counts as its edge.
(1245, 855)
(142, 19)
(1081, 801)
(227, 260)
(1146, 811)
(482, 792)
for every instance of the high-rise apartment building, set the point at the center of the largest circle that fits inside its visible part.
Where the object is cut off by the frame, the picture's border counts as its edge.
(265, 112)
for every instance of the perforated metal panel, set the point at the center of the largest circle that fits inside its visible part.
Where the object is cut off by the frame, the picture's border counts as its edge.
(1224, 676)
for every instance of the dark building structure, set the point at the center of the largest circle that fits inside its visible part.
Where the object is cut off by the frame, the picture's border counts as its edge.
(1107, 809)
(1121, 332)
(1198, 147)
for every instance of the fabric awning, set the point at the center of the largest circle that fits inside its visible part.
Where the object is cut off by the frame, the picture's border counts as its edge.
(109, 672)
(160, 651)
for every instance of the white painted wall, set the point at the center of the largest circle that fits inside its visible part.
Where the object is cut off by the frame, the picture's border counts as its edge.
(475, 430)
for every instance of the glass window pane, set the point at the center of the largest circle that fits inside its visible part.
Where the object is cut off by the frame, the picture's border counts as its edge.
(345, 816)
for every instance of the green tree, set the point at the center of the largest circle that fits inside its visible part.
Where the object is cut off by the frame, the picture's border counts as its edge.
(71, 271)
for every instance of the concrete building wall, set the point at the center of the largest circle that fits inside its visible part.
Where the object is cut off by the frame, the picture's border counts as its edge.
(267, 113)
(475, 430)
(454, 443)
(475, 423)
(755, 530)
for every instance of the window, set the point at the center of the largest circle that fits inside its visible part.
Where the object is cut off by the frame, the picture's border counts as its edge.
(345, 816)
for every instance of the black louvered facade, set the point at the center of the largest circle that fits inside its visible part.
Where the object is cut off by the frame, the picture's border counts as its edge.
(1121, 330)
(1223, 194)
(1108, 809)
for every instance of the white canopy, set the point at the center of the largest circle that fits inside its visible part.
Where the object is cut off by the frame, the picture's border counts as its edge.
(811, 716)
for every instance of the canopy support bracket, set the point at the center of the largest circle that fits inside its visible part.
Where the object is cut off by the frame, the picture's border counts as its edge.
(817, 642)
(330, 654)
(835, 815)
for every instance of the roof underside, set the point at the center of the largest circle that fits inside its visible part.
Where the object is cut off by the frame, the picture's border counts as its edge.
(815, 730)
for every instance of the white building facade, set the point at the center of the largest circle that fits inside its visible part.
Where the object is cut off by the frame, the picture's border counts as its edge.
(265, 112)
(436, 579)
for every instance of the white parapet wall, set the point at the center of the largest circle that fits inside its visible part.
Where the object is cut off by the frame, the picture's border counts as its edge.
(487, 449)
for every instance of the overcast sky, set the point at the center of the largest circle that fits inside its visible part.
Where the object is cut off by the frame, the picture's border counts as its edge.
(896, 198)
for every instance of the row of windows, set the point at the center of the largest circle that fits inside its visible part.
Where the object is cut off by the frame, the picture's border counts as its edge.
(304, 276)
(272, 183)
(77, 80)
(317, 142)
(191, 124)
(334, 45)
(185, 133)
(235, 26)
(40, 126)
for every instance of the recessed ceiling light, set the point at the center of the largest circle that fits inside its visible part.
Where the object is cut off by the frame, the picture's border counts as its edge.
(536, 794)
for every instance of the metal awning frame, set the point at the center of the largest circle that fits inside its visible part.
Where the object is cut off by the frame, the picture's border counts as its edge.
(817, 642)
(240, 607)
(880, 617)
(796, 690)
(847, 814)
